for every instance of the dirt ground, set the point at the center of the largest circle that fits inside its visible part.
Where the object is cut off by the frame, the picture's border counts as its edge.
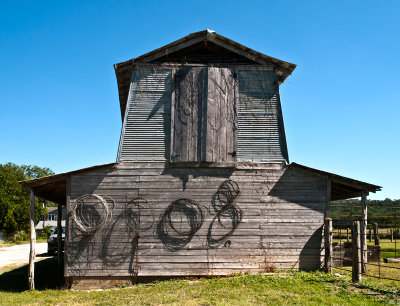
(19, 254)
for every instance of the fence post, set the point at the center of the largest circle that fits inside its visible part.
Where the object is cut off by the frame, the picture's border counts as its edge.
(391, 234)
(328, 244)
(363, 231)
(376, 234)
(356, 263)
(370, 235)
(347, 234)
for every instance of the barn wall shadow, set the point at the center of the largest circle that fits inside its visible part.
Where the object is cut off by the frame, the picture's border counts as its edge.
(302, 188)
(185, 173)
(310, 255)
(308, 192)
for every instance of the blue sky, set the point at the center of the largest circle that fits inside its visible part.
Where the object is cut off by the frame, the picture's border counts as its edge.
(58, 94)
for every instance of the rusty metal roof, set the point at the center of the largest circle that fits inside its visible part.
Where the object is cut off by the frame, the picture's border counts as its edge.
(123, 70)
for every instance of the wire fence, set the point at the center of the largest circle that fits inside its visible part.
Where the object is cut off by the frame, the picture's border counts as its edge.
(380, 258)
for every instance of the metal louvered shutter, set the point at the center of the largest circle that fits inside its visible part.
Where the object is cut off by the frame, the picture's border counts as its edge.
(261, 135)
(146, 128)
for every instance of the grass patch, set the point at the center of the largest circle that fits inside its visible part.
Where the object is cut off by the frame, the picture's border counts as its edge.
(279, 288)
(373, 271)
(388, 249)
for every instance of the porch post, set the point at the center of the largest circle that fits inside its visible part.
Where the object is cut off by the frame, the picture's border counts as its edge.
(328, 197)
(328, 245)
(31, 271)
(59, 239)
(364, 221)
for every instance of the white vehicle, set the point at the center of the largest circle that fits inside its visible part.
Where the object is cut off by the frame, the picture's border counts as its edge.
(52, 244)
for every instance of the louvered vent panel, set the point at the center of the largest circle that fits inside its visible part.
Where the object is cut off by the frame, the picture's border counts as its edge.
(261, 135)
(146, 130)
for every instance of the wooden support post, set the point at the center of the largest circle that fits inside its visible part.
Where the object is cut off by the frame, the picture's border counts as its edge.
(364, 221)
(328, 244)
(356, 263)
(376, 234)
(370, 235)
(67, 214)
(328, 198)
(347, 235)
(59, 240)
(391, 234)
(31, 271)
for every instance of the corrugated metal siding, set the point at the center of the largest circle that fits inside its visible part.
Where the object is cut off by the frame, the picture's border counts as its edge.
(261, 135)
(146, 130)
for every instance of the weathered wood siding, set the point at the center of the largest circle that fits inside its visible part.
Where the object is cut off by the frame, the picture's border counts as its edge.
(221, 115)
(275, 223)
(189, 102)
(202, 113)
(204, 122)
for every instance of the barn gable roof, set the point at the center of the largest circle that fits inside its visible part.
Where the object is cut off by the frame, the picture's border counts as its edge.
(206, 39)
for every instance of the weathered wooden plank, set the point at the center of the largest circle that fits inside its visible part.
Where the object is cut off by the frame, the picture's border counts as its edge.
(193, 175)
(156, 250)
(196, 268)
(176, 266)
(220, 115)
(212, 110)
(194, 262)
(188, 186)
(189, 97)
(32, 252)
(223, 261)
(202, 271)
(220, 92)
(283, 224)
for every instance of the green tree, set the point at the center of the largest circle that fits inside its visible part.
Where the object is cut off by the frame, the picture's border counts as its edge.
(14, 201)
(384, 212)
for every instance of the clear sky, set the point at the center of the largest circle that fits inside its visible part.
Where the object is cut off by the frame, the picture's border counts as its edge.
(59, 103)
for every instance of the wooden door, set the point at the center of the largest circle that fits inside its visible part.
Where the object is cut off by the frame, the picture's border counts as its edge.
(188, 110)
(204, 115)
(221, 115)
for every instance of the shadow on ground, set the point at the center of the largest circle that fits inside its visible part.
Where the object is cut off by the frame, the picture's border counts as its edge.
(46, 277)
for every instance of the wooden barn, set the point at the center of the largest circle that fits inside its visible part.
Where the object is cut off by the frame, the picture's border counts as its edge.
(202, 184)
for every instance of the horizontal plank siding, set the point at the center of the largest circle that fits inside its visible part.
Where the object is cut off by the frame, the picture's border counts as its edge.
(275, 221)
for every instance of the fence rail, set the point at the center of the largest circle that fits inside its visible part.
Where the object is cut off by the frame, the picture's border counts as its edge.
(363, 246)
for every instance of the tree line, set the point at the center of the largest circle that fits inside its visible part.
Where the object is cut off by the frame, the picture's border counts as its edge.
(14, 201)
(384, 212)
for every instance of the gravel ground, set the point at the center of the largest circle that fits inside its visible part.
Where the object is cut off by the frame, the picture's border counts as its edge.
(19, 254)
